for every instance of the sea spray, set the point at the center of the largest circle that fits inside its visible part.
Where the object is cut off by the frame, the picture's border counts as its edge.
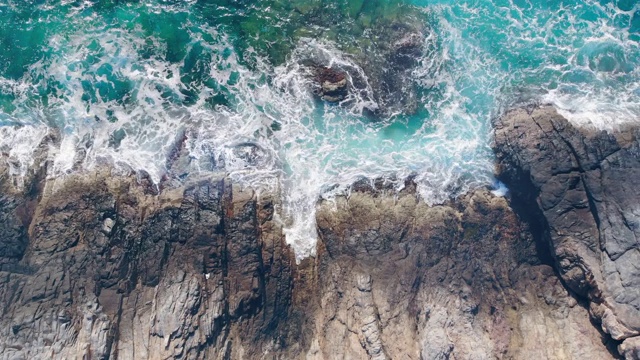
(123, 83)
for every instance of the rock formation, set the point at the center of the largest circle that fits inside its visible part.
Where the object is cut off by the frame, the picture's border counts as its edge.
(376, 69)
(581, 187)
(111, 270)
(99, 265)
(332, 84)
(400, 279)
(353, 52)
(105, 266)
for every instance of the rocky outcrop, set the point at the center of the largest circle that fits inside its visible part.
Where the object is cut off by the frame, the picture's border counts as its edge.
(580, 185)
(390, 68)
(111, 270)
(99, 265)
(332, 84)
(401, 279)
(375, 72)
(364, 55)
(107, 266)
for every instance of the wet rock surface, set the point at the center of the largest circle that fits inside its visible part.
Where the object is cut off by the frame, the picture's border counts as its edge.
(397, 50)
(376, 69)
(376, 47)
(580, 186)
(332, 84)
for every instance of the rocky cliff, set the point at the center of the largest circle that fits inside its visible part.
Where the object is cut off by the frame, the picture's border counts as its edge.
(101, 265)
(582, 187)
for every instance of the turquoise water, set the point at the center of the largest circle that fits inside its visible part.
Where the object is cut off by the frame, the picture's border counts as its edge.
(123, 80)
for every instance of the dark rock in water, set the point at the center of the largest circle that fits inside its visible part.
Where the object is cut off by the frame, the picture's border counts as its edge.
(371, 66)
(249, 153)
(388, 65)
(378, 74)
(382, 37)
(332, 84)
(116, 137)
(581, 187)
(334, 80)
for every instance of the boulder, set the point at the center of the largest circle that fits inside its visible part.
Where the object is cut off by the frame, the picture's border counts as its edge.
(331, 84)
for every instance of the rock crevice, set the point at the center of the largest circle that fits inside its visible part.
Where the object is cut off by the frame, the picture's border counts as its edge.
(578, 181)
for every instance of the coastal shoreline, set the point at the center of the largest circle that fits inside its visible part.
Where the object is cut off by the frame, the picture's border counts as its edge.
(109, 266)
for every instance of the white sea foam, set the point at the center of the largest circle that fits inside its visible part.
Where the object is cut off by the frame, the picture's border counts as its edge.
(273, 135)
(596, 110)
(18, 144)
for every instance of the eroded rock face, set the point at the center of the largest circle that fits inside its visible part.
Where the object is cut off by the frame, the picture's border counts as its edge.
(400, 279)
(113, 269)
(581, 184)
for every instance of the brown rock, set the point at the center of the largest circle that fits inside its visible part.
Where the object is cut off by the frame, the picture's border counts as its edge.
(201, 270)
(333, 86)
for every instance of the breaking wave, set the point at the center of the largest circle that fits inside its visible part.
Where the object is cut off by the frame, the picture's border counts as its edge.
(127, 84)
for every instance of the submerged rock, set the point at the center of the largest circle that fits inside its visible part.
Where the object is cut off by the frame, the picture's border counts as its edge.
(389, 57)
(408, 49)
(374, 73)
(383, 39)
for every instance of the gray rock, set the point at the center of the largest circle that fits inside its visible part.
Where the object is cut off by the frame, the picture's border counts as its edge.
(579, 184)
(630, 348)
(462, 280)
(119, 273)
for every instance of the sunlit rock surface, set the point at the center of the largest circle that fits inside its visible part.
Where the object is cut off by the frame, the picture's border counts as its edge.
(109, 266)
(580, 186)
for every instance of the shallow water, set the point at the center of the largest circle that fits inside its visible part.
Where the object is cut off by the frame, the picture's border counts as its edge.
(123, 80)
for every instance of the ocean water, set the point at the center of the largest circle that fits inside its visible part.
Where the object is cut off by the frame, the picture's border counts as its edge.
(122, 82)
